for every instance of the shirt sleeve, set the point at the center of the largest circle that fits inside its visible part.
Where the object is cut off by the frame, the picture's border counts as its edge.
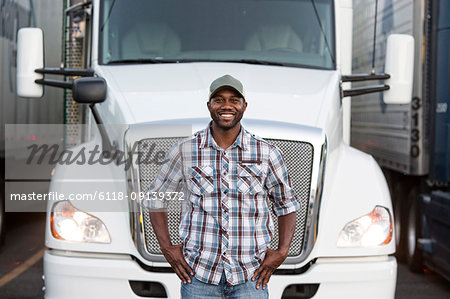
(167, 180)
(279, 185)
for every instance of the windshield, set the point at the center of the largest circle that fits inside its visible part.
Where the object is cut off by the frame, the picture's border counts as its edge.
(291, 32)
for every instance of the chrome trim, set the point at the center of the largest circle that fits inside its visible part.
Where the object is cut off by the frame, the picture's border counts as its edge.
(312, 220)
(265, 129)
(133, 134)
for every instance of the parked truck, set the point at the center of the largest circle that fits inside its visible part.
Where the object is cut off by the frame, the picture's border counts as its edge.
(142, 84)
(14, 110)
(411, 141)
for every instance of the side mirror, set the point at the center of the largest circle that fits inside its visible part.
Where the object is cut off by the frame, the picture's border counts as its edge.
(30, 56)
(89, 90)
(399, 65)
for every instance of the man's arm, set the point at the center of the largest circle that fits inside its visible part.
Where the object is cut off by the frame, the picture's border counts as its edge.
(274, 258)
(167, 180)
(172, 253)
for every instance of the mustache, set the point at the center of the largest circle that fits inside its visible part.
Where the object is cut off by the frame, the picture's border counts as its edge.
(226, 111)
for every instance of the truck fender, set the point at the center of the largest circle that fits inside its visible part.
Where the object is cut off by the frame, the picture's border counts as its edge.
(354, 184)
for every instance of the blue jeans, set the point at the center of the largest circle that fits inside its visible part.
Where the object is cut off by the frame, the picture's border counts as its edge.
(200, 290)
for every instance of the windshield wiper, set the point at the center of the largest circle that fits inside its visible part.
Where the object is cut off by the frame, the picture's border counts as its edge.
(142, 61)
(153, 60)
(248, 61)
(253, 61)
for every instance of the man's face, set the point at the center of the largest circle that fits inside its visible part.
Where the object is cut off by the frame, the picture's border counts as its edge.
(226, 108)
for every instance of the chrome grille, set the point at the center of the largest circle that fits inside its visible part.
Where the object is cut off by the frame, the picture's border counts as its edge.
(75, 57)
(298, 157)
(147, 172)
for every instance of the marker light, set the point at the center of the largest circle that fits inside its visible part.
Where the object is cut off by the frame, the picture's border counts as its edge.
(372, 229)
(70, 224)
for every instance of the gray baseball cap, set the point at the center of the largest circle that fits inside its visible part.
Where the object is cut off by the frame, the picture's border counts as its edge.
(226, 81)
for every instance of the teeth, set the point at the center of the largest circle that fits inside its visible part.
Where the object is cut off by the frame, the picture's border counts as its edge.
(227, 115)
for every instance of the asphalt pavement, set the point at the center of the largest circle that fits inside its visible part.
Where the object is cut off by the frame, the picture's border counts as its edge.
(420, 286)
(24, 242)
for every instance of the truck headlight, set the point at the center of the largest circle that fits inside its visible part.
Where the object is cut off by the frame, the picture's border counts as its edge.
(372, 229)
(70, 224)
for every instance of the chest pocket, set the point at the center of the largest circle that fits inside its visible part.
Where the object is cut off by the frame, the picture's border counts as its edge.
(201, 179)
(250, 178)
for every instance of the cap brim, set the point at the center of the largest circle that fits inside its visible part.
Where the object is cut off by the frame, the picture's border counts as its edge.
(225, 87)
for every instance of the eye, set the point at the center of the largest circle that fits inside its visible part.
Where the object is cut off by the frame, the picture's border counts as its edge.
(235, 100)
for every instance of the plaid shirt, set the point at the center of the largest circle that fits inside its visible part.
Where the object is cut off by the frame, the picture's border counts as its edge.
(225, 223)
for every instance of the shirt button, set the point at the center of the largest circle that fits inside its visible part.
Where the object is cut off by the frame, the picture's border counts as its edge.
(225, 191)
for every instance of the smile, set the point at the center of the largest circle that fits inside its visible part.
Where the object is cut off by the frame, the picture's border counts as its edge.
(226, 115)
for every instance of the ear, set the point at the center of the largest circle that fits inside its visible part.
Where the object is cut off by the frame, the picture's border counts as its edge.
(245, 105)
(208, 104)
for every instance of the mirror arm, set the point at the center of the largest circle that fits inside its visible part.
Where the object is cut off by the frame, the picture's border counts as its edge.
(66, 72)
(364, 90)
(109, 150)
(54, 83)
(78, 6)
(364, 77)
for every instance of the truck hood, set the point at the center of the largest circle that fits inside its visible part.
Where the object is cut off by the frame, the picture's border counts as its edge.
(173, 91)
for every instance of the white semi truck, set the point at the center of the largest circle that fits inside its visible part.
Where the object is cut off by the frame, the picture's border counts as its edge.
(144, 71)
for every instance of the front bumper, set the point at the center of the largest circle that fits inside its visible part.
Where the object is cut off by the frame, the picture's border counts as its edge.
(107, 276)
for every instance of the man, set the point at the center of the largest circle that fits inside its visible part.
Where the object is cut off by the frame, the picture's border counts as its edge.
(225, 225)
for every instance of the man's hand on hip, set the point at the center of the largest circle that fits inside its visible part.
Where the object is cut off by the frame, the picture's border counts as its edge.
(174, 255)
(272, 260)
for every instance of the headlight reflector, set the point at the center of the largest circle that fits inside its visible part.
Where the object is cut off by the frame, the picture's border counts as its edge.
(372, 229)
(70, 224)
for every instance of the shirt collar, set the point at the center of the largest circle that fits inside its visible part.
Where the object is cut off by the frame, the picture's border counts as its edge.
(208, 141)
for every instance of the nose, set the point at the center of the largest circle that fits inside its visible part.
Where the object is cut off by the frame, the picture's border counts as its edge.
(227, 104)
